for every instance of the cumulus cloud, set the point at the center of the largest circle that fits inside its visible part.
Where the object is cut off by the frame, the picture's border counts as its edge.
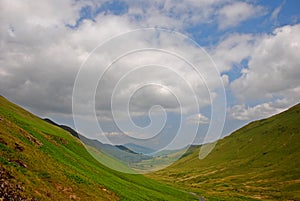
(149, 77)
(40, 53)
(40, 58)
(44, 43)
(233, 14)
(174, 14)
(233, 49)
(273, 69)
(242, 112)
(271, 77)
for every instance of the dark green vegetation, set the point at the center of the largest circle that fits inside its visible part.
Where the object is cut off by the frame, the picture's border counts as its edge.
(44, 162)
(260, 161)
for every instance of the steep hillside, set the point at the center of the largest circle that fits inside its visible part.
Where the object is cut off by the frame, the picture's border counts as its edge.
(118, 152)
(259, 161)
(40, 161)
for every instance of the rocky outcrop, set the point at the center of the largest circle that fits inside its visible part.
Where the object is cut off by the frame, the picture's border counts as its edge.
(9, 189)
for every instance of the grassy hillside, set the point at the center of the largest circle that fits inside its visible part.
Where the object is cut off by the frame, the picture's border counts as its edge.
(260, 161)
(119, 152)
(39, 161)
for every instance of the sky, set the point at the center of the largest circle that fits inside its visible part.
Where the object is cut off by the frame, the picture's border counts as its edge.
(157, 73)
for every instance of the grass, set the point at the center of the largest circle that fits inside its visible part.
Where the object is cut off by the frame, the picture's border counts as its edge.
(58, 166)
(258, 162)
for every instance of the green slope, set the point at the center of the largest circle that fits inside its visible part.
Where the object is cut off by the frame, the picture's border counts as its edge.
(260, 161)
(43, 162)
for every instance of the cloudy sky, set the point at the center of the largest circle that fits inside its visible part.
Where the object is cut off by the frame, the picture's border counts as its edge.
(147, 70)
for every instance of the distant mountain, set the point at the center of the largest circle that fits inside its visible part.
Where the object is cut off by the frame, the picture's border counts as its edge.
(119, 152)
(257, 162)
(39, 161)
(139, 149)
(123, 148)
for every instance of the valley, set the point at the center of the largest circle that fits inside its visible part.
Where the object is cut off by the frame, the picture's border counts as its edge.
(41, 160)
(47, 163)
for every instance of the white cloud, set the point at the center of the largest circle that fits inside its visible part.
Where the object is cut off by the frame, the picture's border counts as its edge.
(276, 11)
(198, 119)
(225, 79)
(233, 14)
(133, 83)
(233, 49)
(273, 69)
(174, 14)
(241, 112)
(272, 76)
(40, 56)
